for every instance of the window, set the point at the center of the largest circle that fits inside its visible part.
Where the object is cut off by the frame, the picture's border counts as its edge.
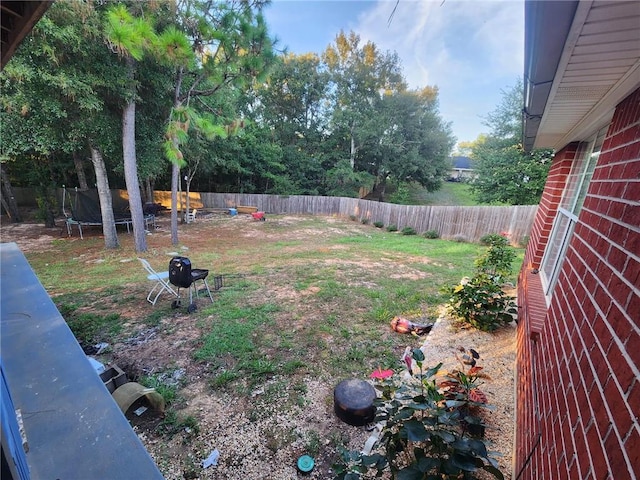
(570, 205)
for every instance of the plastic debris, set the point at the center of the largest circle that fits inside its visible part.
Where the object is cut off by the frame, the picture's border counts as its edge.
(212, 459)
(140, 411)
(402, 325)
(373, 439)
(97, 366)
(305, 463)
(100, 347)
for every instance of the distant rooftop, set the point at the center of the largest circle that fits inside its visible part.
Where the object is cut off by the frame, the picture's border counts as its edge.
(462, 163)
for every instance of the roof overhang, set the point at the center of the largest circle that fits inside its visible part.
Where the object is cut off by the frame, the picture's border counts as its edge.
(581, 59)
(17, 18)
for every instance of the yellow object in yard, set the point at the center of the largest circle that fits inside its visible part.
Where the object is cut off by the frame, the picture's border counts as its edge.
(246, 209)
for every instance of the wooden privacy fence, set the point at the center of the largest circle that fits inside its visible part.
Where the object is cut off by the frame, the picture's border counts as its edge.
(468, 223)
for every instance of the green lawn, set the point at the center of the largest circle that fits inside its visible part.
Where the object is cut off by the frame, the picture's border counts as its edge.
(305, 297)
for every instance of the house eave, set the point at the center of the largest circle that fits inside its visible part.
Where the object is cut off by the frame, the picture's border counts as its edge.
(581, 59)
(18, 19)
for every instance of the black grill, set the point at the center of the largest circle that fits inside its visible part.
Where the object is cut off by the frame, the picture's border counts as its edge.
(180, 272)
(183, 276)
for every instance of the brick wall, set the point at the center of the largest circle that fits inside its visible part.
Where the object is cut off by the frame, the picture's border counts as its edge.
(556, 181)
(579, 358)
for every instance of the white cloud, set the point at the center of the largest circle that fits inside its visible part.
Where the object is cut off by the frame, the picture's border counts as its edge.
(469, 49)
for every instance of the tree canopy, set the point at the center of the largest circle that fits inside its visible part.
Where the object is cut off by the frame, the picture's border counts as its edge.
(207, 91)
(505, 172)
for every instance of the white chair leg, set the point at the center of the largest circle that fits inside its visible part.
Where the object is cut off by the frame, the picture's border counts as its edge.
(161, 286)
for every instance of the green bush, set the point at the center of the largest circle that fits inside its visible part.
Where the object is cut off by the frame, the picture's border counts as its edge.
(392, 228)
(431, 234)
(408, 231)
(353, 218)
(481, 302)
(494, 239)
(401, 196)
(428, 427)
(378, 224)
(497, 261)
(364, 220)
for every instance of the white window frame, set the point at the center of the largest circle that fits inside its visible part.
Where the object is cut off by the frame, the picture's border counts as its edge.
(568, 211)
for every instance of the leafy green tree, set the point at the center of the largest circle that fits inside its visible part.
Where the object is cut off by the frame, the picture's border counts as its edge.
(505, 173)
(232, 47)
(415, 144)
(360, 75)
(57, 95)
(290, 108)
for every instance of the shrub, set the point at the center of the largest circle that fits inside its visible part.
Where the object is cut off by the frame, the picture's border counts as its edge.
(431, 234)
(353, 218)
(426, 431)
(364, 220)
(378, 224)
(460, 238)
(401, 196)
(494, 239)
(497, 261)
(392, 228)
(408, 231)
(481, 302)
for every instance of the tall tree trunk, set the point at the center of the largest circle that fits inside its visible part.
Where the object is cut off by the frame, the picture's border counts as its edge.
(9, 200)
(131, 176)
(353, 149)
(175, 176)
(175, 168)
(148, 190)
(104, 194)
(82, 178)
(44, 189)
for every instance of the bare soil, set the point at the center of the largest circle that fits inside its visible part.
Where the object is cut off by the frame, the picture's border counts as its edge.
(255, 440)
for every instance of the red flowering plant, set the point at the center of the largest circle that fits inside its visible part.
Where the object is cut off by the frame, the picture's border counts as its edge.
(460, 388)
(425, 434)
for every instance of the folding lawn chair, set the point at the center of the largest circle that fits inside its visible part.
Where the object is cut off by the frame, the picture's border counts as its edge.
(191, 217)
(161, 285)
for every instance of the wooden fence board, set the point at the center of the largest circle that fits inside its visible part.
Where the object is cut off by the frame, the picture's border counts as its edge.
(469, 223)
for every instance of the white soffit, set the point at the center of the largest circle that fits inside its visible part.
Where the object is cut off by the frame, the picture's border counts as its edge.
(599, 67)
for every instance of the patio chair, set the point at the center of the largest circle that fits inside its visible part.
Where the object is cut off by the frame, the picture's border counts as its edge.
(191, 217)
(161, 282)
(182, 275)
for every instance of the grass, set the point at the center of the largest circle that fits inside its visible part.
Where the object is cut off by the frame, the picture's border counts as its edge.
(450, 193)
(310, 298)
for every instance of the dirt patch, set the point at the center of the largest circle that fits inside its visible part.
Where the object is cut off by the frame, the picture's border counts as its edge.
(260, 430)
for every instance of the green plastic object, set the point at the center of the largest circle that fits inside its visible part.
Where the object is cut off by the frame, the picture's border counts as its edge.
(305, 463)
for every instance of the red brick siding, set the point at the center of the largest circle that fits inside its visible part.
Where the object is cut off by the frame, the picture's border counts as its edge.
(549, 202)
(578, 361)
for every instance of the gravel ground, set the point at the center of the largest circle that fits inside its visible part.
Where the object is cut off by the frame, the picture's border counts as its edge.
(264, 447)
(256, 439)
(497, 357)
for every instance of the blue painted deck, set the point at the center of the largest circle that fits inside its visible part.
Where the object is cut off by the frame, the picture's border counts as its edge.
(74, 428)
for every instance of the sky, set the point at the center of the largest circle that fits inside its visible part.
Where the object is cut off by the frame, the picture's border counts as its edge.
(472, 50)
